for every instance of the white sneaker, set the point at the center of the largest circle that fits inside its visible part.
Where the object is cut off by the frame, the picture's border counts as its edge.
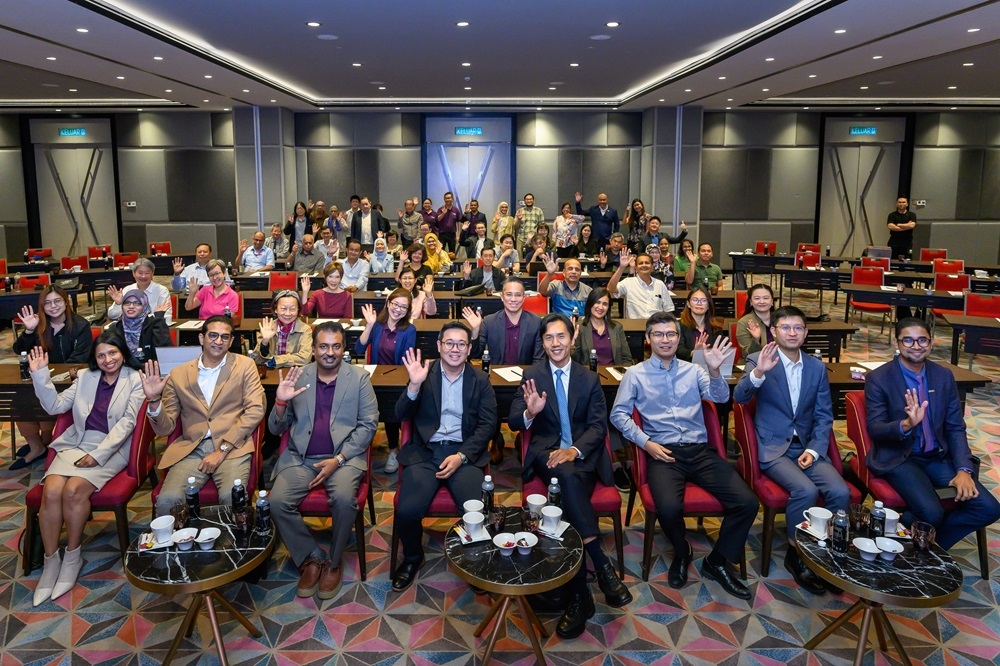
(391, 464)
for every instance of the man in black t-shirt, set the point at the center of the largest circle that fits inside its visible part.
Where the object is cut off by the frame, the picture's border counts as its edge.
(901, 222)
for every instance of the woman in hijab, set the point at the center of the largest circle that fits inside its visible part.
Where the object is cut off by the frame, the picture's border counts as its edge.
(503, 222)
(381, 260)
(437, 259)
(143, 331)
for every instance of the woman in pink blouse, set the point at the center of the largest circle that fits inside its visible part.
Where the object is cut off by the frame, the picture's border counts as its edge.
(215, 297)
(332, 301)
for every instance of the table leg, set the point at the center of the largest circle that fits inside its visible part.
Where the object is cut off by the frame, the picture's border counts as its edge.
(847, 307)
(216, 632)
(883, 619)
(534, 618)
(866, 622)
(489, 616)
(198, 601)
(955, 335)
(185, 629)
(529, 618)
(495, 634)
(236, 614)
(878, 630)
(845, 617)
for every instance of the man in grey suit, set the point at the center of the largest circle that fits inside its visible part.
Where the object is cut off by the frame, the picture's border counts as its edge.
(330, 412)
(793, 420)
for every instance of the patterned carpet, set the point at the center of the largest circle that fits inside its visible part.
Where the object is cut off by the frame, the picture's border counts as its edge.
(105, 620)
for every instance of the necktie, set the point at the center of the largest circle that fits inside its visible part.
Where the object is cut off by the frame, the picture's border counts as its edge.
(565, 427)
(925, 423)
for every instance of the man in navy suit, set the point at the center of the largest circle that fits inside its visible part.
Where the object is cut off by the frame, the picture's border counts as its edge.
(603, 219)
(793, 421)
(454, 415)
(919, 444)
(563, 404)
(367, 223)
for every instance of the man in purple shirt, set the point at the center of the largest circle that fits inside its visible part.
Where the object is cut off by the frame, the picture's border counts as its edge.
(448, 217)
(330, 413)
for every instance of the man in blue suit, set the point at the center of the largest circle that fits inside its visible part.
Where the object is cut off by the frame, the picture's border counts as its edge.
(793, 421)
(603, 218)
(919, 444)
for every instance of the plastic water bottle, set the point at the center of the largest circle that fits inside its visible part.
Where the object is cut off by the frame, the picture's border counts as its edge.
(25, 370)
(239, 504)
(818, 353)
(593, 360)
(486, 360)
(193, 500)
(229, 269)
(877, 524)
(479, 312)
(262, 523)
(828, 250)
(841, 532)
(228, 311)
(576, 312)
(17, 283)
(347, 357)
(555, 493)
(487, 494)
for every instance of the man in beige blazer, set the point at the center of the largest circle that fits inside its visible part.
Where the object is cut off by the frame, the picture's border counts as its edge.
(220, 401)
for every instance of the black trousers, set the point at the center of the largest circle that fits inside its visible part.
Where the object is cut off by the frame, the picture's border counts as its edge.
(577, 485)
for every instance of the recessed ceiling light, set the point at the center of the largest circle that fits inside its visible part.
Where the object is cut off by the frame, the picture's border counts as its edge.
(812, 76)
(82, 30)
(864, 87)
(397, 108)
(600, 37)
(552, 87)
(954, 108)
(973, 30)
(728, 108)
(273, 101)
(730, 99)
(876, 57)
(722, 78)
(226, 108)
(72, 89)
(205, 101)
(765, 89)
(322, 108)
(467, 108)
(314, 24)
(138, 109)
(51, 58)
(208, 76)
(538, 108)
(612, 24)
(468, 87)
(878, 108)
(839, 32)
(58, 109)
(574, 64)
(326, 37)
(968, 64)
(466, 64)
(768, 59)
(157, 57)
(120, 78)
(245, 90)
(663, 100)
(952, 87)
(460, 24)
(687, 90)
(381, 87)
(356, 64)
(168, 90)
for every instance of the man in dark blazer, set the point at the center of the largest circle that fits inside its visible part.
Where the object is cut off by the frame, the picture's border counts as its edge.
(478, 237)
(918, 438)
(454, 414)
(366, 223)
(603, 219)
(330, 413)
(563, 404)
(793, 421)
(484, 275)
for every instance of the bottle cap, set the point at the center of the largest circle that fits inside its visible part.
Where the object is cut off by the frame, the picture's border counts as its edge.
(191, 480)
(488, 478)
(262, 494)
(554, 480)
(237, 482)
(878, 505)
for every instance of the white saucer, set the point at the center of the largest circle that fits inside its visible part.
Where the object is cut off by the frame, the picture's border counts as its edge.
(156, 546)
(808, 530)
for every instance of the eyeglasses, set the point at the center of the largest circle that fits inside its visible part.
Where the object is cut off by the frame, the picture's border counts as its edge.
(660, 335)
(920, 342)
(786, 329)
(399, 306)
(699, 301)
(452, 345)
(215, 274)
(53, 302)
(215, 335)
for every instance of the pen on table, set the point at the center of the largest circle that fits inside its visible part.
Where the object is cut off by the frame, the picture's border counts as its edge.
(385, 372)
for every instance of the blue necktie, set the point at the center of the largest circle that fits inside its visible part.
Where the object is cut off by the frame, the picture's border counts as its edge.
(565, 426)
(925, 423)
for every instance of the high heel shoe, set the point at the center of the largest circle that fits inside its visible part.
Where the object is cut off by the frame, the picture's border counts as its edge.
(50, 574)
(71, 565)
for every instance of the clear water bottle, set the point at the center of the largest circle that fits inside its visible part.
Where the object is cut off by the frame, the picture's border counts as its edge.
(555, 493)
(347, 357)
(17, 283)
(818, 353)
(486, 360)
(593, 360)
(262, 522)
(488, 496)
(228, 311)
(576, 312)
(229, 268)
(841, 532)
(479, 312)
(25, 369)
(239, 504)
(828, 250)
(193, 500)
(877, 524)
(25, 256)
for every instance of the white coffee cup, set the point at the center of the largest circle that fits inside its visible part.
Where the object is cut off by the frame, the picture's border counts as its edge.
(474, 523)
(473, 506)
(891, 521)
(163, 528)
(535, 504)
(818, 519)
(550, 518)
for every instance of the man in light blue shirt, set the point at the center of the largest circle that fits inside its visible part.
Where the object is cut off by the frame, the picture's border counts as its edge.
(256, 257)
(356, 269)
(668, 392)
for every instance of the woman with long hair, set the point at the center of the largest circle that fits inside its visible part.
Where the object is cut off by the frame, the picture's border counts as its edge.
(105, 400)
(63, 335)
(543, 230)
(297, 224)
(216, 296)
(587, 245)
(567, 233)
(423, 295)
(413, 258)
(700, 328)
(143, 331)
(600, 333)
(503, 222)
(636, 218)
(332, 301)
(753, 330)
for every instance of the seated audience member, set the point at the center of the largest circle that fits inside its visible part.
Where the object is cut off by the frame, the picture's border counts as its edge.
(286, 340)
(662, 268)
(219, 400)
(753, 330)
(386, 338)
(566, 296)
(653, 235)
(307, 259)
(105, 399)
(793, 421)
(392, 245)
(156, 294)
(484, 275)
(424, 304)
(380, 261)
(413, 258)
(699, 325)
(668, 394)
(327, 448)
(256, 256)
(328, 246)
(277, 243)
(508, 259)
(503, 222)
(477, 241)
(567, 232)
(356, 269)
(920, 445)
(563, 405)
(683, 259)
(613, 255)
(332, 301)
(436, 259)
(63, 335)
(298, 224)
(454, 414)
(536, 250)
(587, 246)
(425, 228)
(545, 231)
(644, 295)
(143, 331)
(703, 272)
(198, 270)
(214, 298)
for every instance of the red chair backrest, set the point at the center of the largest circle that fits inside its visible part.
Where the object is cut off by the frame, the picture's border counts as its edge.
(948, 266)
(161, 247)
(278, 281)
(809, 247)
(538, 304)
(40, 252)
(68, 263)
(124, 259)
(736, 344)
(29, 281)
(857, 430)
(173, 308)
(711, 416)
(982, 305)
(3, 266)
(95, 332)
(881, 262)
(951, 281)
(741, 303)
(807, 259)
(930, 254)
(768, 247)
(866, 275)
(94, 251)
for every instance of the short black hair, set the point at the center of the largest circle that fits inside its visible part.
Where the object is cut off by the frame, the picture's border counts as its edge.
(655, 217)
(109, 337)
(455, 325)
(219, 319)
(553, 318)
(355, 197)
(787, 311)
(907, 322)
(512, 280)
(354, 241)
(703, 244)
(662, 318)
(329, 327)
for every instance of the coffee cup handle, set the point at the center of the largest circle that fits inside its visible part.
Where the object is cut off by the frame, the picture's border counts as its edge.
(805, 514)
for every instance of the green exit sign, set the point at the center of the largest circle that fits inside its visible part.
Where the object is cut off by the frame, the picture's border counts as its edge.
(72, 131)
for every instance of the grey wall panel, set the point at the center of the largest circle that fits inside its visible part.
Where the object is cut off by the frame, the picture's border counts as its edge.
(690, 194)
(301, 179)
(570, 174)
(760, 129)
(793, 183)
(398, 178)
(341, 129)
(711, 232)
(691, 128)
(134, 239)
(272, 177)
(989, 208)
(646, 174)
(524, 132)
(3, 244)
(648, 119)
(410, 126)
(595, 129)
(312, 129)
(16, 239)
(222, 130)
(10, 131)
(176, 129)
(993, 129)
(243, 132)
(559, 129)
(183, 237)
(246, 186)
(758, 183)
(366, 173)
(12, 208)
(807, 129)
(270, 126)
(664, 166)
(287, 127)
(976, 242)
(714, 129)
(634, 172)
(926, 133)
(142, 178)
(330, 175)
(801, 232)
(536, 172)
(962, 129)
(935, 178)
(605, 170)
(968, 188)
(738, 235)
(666, 122)
(127, 130)
(201, 185)
(377, 129)
(723, 183)
(290, 157)
(624, 129)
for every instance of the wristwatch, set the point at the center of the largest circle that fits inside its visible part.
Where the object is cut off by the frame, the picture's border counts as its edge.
(463, 457)
(225, 448)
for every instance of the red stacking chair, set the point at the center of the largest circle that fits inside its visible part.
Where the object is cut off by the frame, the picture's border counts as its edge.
(116, 493)
(278, 280)
(869, 275)
(948, 266)
(772, 496)
(69, 263)
(807, 259)
(606, 500)
(982, 305)
(930, 254)
(880, 262)
(95, 251)
(28, 282)
(161, 247)
(950, 282)
(538, 304)
(125, 259)
(39, 252)
(765, 247)
(316, 504)
(3, 266)
(809, 247)
(879, 488)
(740, 304)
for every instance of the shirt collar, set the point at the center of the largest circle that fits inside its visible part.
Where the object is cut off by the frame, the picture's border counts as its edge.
(553, 368)
(218, 367)
(787, 362)
(657, 363)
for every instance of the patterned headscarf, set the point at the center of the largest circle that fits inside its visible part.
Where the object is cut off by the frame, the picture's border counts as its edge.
(133, 325)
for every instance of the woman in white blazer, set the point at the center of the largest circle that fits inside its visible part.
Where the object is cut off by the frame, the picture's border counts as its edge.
(105, 399)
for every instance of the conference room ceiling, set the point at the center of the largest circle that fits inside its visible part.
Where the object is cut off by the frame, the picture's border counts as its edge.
(515, 55)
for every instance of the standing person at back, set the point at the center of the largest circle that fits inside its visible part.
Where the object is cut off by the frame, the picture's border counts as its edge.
(603, 218)
(528, 218)
(901, 223)
(448, 217)
(366, 223)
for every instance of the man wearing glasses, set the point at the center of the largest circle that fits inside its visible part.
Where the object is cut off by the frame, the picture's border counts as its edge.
(219, 400)
(668, 392)
(919, 443)
(454, 414)
(793, 421)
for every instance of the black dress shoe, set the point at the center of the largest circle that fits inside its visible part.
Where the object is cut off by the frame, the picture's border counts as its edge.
(623, 481)
(724, 576)
(802, 574)
(616, 594)
(574, 619)
(22, 451)
(406, 574)
(677, 576)
(24, 463)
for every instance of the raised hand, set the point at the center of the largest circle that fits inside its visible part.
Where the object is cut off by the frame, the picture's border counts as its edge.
(399, 212)
(684, 227)
(467, 269)
(520, 214)
(152, 382)
(178, 265)
(534, 401)
(472, 318)
(333, 249)
(379, 234)
(368, 256)
(193, 285)
(603, 259)
(290, 218)
(286, 384)
(429, 284)
(578, 196)
(701, 342)
(716, 354)
(115, 293)
(244, 245)
(753, 328)
(295, 247)
(306, 283)
(767, 359)
(415, 368)
(690, 256)
(29, 319)
(268, 329)
(915, 410)
(404, 257)
(551, 265)
(38, 358)
(369, 314)
(626, 258)
(163, 307)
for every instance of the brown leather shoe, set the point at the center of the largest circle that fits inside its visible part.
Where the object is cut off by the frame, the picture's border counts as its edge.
(309, 575)
(329, 582)
(496, 449)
